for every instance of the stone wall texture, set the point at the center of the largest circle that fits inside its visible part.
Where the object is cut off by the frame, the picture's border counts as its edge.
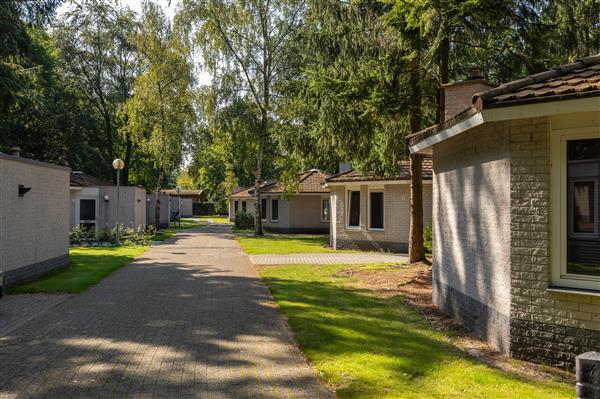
(34, 228)
(394, 236)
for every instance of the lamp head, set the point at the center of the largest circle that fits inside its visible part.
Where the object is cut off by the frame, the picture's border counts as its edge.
(118, 164)
(106, 197)
(178, 189)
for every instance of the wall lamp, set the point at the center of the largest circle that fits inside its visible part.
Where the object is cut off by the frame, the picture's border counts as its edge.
(106, 197)
(23, 190)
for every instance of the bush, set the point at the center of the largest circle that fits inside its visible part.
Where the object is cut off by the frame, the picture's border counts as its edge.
(427, 236)
(103, 236)
(203, 208)
(244, 221)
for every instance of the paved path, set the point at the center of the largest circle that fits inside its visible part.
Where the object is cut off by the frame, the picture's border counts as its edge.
(190, 318)
(328, 258)
(16, 310)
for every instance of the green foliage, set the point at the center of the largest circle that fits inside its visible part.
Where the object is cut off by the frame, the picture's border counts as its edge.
(427, 238)
(108, 236)
(244, 221)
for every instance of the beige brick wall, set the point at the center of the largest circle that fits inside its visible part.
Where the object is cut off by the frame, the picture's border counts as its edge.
(458, 96)
(33, 228)
(396, 215)
(305, 212)
(132, 206)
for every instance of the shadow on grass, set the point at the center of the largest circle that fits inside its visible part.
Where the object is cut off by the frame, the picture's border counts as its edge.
(372, 347)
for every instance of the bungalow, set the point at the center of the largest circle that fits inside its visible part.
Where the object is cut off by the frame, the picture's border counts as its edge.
(306, 212)
(188, 199)
(94, 203)
(166, 208)
(516, 200)
(34, 218)
(372, 212)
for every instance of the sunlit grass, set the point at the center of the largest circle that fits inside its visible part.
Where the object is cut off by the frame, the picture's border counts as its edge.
(88, 266)
(372, 347)
(285, 244)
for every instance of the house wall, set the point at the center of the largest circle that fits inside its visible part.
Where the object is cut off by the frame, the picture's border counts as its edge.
(34, 229)
(471, 231)
(300, 214)
(132, 206)
(395, 235)
(165, 209)
(546, 326)
(186, 207)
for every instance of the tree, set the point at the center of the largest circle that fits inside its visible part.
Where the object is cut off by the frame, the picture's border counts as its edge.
(160, 114)
(98, 61)
(249, 42)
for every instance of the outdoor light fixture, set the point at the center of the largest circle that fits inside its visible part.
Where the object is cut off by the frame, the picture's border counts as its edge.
(148, 200)
(118, 165)
(23, 190)
(106, 197)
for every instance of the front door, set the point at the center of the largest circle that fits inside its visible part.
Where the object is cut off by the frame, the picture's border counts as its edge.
(87, 213)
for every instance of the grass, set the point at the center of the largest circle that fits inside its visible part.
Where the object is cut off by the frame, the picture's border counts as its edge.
(373, 347)
(88, 265)
(285, 244)
(216, 219)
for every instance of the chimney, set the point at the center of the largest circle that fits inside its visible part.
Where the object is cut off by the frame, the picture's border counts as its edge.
(458, 96)
(344, 167)
(16, 151)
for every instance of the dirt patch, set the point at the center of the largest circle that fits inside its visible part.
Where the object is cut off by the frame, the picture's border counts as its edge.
(413, 282)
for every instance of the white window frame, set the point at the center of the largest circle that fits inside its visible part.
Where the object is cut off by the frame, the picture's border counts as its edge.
(264, 211)
(236, 207)
(78, 220)
(323, 208)
(348, 199)
(560, 208)
(278, 208)
(375, 190)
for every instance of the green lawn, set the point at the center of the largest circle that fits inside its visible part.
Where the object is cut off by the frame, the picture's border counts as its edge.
(88, 266)
(285, 244)
(216, 219)
(373, 347)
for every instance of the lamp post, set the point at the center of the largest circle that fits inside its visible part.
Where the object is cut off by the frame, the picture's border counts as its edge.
(118, 165)
(178, 190)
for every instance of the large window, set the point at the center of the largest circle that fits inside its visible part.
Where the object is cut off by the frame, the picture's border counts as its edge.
(354, 209)
(263, 208)
(583, 174)
(325, 209)
(236, 206)
(274, 210)
(376, 210)
(244, 206)
(87, 213)
(576, 211)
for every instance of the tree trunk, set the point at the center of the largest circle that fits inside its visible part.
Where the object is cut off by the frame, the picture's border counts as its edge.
(258, 228)
(127, 160)
(416, 250)
(157, 201)
(444, 77)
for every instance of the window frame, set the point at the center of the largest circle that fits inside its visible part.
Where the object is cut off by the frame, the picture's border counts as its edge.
(244, 207)
(236, 207)
(561, 225)
(369, 227)
(328, 199)
(273, 200)
(348, 203)
(264, 211)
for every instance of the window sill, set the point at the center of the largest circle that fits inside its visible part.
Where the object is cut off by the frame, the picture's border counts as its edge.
(570, 290)
(354, 228)
(376, 230)
(274, 221)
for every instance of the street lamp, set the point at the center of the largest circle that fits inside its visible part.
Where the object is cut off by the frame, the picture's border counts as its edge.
(178, 189)
(118, 165)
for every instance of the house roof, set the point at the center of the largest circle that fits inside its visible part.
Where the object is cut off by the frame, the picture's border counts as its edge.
(80, 179)
(309, 182)
(404, 174)
(578, 79)
(190, 193)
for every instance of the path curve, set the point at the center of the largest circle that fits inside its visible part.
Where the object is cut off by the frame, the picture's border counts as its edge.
(189, 318)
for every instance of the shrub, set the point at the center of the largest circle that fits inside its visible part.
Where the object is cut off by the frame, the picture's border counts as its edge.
(427, 236)
(102, 236)
(244, 221)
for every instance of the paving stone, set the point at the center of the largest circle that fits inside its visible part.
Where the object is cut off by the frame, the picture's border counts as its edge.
(328, 258)
(188, 319)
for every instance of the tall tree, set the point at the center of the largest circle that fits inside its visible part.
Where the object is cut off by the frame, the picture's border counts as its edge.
(160, 113)
(250, 42)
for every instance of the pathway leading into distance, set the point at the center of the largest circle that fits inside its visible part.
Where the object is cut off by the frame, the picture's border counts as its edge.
(333, 258)
(190, 318)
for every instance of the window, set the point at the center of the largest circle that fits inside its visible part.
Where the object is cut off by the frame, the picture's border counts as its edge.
(87, 213)
(353, 209)
(376, 210)
(576, 199)
(244, 206)
(325, 210)
(274, 210)
(236, 206)
(263, 208)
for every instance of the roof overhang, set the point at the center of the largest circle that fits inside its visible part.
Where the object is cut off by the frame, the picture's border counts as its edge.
(536, 110)
(371, 183)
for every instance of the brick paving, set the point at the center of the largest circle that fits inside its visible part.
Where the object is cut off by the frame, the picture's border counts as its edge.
(189, 318)
(16, 310)
(328, 258)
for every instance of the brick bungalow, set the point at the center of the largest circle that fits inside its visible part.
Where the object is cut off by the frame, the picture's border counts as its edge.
(306, 212)
(34, 218)
(94, 203)
(516, 205)
(372, 212)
